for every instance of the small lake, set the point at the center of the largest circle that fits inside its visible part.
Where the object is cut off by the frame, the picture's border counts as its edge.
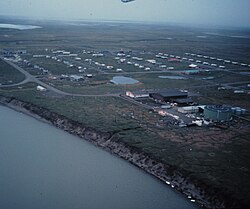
(201, 36)
(245, 73)
(123, 80)
(44, 167)
(19, 27)
(173, 77)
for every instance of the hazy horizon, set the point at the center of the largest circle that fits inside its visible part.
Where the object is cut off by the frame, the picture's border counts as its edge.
(227, 13)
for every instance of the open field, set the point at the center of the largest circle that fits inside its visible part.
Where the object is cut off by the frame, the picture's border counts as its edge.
(101, 84)
(8, 74)
(214, 157)
(211, 95)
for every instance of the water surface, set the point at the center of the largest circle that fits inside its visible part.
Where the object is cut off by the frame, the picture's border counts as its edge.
(43, 167)
(19, 27)
(123, 80)
(173, 77)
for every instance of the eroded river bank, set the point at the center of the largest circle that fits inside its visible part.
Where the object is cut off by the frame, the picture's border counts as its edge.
(168, 175)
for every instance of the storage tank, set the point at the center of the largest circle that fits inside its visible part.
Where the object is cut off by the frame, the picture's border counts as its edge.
(218, 113)
(233, 109)
(238, 111)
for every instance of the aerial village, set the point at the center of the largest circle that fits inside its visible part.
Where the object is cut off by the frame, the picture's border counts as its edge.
(177, 105)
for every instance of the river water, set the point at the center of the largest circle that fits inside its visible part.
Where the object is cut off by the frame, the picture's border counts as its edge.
(19, 27)
(43, 167)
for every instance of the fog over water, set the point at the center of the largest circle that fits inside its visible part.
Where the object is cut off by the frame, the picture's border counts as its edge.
(201, 12)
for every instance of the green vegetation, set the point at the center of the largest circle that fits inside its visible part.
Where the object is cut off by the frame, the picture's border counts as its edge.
(102, 113)
(210, 155)
(8, 74)
(227, 77)
(211, 95)
(100, 84)
(54, 67)
(218, 158)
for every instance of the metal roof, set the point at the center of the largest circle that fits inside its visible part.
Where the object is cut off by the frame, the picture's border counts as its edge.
(185, 100)
(172, 93)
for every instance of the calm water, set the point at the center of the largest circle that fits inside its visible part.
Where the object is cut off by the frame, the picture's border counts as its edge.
(173, 77)
(43, 167)
(19, 27)
(123, 80)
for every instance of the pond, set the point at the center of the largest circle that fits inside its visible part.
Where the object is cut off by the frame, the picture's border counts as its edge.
(19, 27)
(123, 80)
(173, 77)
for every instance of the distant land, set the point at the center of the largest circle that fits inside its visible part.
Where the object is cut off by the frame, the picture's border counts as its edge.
(172, 100)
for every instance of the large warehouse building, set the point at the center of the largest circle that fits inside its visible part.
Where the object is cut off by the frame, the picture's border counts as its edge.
(217, 113)
(172, 96)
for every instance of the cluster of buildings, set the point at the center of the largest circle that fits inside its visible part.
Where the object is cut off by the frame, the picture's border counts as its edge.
(11, 52)
(217, 59)
(71, 77)
(181, 104)
(174, 58)
(167, 96)
(172, 96)
(13, 55)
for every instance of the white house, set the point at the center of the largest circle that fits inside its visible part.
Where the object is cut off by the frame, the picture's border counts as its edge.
(41, 88)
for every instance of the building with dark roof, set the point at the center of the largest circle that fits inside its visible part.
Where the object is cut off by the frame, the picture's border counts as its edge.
(169, 96)
(184, 101)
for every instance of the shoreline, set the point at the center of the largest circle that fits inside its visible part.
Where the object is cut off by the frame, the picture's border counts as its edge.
(201, 195)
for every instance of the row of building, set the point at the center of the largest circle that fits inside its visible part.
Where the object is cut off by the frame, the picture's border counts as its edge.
(215, 113)
(218, 59)
(10, 52)
(173, 96)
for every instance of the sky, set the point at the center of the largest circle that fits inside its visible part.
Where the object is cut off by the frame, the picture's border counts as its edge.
(194, 12)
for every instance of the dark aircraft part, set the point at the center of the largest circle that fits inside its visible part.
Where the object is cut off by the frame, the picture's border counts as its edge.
(126, 1)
